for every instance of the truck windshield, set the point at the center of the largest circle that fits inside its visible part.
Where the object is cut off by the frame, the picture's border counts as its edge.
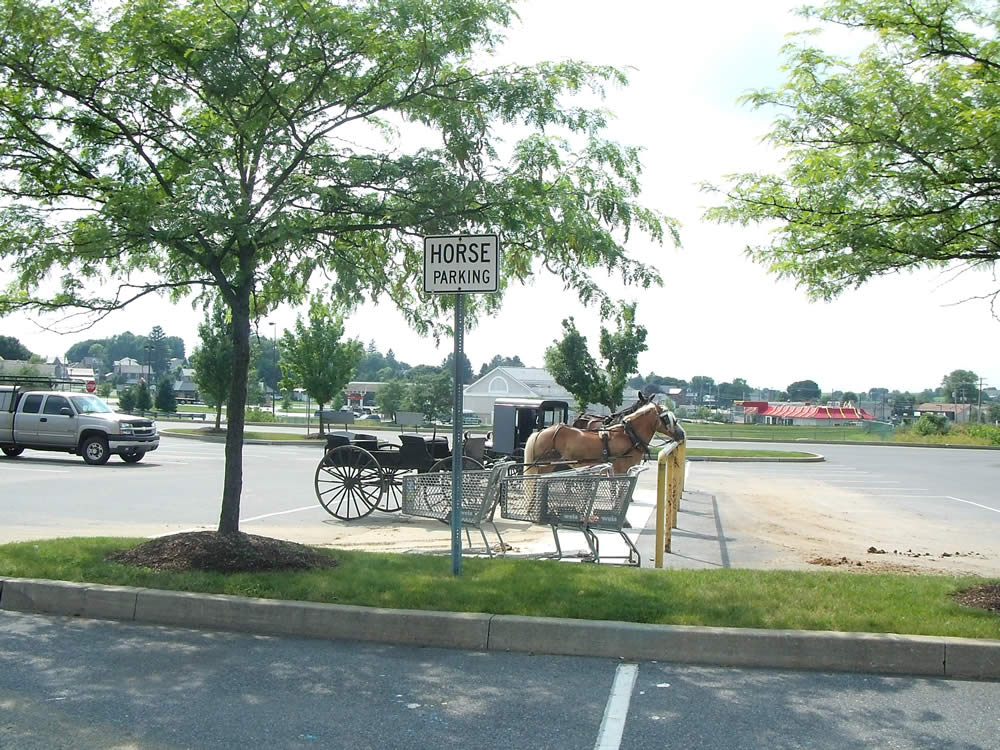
(90, 405)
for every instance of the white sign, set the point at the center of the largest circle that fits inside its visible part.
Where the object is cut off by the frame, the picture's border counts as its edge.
(461, 264)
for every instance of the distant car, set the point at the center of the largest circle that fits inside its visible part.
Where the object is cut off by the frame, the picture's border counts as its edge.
(369, 418)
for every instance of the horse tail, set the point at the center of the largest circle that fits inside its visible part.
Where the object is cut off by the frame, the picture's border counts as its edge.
(529, 454)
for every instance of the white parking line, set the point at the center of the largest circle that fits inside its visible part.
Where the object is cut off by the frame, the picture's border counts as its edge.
(279, 513)
(609, 737)
(31, 468)
(969, 502)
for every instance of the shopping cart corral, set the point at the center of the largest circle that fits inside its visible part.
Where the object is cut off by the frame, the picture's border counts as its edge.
(430, 496)
(589, 501)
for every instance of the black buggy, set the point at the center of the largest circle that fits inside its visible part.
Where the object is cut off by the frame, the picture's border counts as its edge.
(359, 473)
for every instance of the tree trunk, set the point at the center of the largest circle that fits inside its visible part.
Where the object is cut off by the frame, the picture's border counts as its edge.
(229, 520)
(218, 416)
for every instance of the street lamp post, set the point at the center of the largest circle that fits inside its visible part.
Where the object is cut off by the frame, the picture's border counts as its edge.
(274, 359)
(149, 366)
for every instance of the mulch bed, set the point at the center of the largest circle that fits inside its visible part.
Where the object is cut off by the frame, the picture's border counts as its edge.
(224, 553)
(985, 597)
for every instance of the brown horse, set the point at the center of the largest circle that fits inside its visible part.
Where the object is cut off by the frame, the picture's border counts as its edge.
(599, 421)
(622, 445)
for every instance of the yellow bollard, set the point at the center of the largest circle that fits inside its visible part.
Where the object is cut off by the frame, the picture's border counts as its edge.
(667, 489)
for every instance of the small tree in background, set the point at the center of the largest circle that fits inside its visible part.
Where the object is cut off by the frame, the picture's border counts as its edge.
(390, 397)
(620, 350)
(573, 367)
(126, 400)
(213, 360)
(143, 399)
(314, 356)
(166, 399)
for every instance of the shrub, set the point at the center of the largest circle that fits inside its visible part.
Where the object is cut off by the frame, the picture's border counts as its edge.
(259, 415)
(931, 424)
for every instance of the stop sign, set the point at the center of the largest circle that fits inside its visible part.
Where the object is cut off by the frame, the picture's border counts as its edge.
(91, 386)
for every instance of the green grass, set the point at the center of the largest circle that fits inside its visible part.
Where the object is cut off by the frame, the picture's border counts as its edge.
(821, 600)
(246, 435)
(735, 453)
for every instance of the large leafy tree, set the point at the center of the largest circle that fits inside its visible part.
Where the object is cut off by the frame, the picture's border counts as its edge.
(314, 357)
(891, 157)
(11, 348)
(249, 148)
(803, 390)
(960, 386)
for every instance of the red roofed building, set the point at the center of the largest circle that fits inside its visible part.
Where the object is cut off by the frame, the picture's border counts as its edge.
(761, 412)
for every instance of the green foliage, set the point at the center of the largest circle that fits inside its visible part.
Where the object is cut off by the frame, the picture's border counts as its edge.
(158, 352)
(247, 150)
(126, 400)
(448, 365)
(213, 360)
(891, 158)
(143, 399)
(390, 397)
(11, 348)
(994, 413)
(499, 361)
(574, 368)
(620, 351)
(702, 385)
(987, 434)
(429, 392)
(931, 424)
(960, 387)
(255, 414)
(166, 399)
(803, 390)
(104, 390)
(314, 357)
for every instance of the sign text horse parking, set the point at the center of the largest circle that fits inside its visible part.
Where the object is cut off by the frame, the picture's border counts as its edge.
(461, 264)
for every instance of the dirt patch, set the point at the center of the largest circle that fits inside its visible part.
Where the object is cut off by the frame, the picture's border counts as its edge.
(224, 553)
(799, 522)
(981, 597)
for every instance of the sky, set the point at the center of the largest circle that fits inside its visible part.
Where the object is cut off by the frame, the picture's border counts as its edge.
(717, 314)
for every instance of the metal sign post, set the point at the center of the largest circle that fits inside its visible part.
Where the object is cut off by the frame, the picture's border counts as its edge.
(460, 265)
(457, 424)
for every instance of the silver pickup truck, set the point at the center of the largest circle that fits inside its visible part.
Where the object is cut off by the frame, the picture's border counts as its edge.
(79, 423)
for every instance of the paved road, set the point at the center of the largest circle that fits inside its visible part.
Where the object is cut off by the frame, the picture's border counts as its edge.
(944, 500)
(81, 684)
(178, 488)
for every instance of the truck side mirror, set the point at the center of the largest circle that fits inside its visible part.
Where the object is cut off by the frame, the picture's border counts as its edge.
(66, 411)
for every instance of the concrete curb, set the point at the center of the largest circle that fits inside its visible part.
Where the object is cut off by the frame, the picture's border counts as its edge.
(964, 658)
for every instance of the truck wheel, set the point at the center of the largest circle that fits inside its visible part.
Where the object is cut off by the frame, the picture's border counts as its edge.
(132, 456)
(16, 451)
(95, 450)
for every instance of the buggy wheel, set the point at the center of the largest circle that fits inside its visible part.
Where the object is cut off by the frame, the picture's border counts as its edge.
(348, 482)
(390, 499)
(444, 464)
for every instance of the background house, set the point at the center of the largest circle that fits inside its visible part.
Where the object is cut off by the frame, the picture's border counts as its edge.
(954, 412)
(522, 382)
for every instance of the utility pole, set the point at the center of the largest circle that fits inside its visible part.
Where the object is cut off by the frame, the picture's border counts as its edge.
(979, 408)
